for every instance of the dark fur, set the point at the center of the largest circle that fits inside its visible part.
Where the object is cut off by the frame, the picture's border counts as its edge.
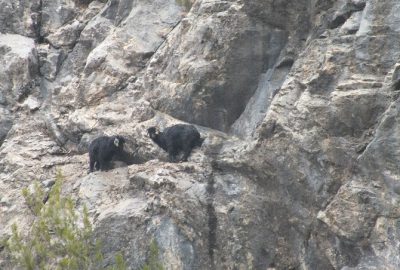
(176, 139)
(102, 150)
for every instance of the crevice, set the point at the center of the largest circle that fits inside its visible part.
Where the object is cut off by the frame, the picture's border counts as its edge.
(380, 121)
(342, 17)
(38, 24)
(339, 20)
(335, 187)
(6, 126)
(396, 85)
(286, 62)
(258, 105)
(162, 43)
(83, 3)
(212, 221)
(25, 90)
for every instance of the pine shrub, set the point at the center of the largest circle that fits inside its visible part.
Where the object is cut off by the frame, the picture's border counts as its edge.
(60, 238)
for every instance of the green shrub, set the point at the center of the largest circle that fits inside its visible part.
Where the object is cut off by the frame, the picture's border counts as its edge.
(34, 200)
(59, 238)
(153, 263)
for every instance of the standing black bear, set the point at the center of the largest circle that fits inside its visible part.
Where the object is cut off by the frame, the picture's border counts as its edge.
(102, 150)
(176, 139)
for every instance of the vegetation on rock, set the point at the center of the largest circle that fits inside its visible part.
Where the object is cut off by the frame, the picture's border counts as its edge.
(60, 238)
(153, 262)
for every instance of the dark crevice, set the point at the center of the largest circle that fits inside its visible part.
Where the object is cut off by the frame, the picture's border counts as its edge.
(396, 85)
(83, 3)
(38, 24)
(286, 62)
(340, 19)
(352, 31)
(25, 90)
(360, 148)
(212, 221)
(257, 107)
(41, 40)
(5, 127)
(359, 6)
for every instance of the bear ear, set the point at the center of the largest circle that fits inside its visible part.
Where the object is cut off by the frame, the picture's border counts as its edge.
(116, 142)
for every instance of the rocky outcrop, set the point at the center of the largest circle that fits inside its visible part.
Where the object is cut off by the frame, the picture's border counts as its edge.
(298, 103)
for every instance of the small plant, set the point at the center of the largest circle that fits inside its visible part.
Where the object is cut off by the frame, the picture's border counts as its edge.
(153, 262)
(120, 263)
(34, 200)
(59, 238)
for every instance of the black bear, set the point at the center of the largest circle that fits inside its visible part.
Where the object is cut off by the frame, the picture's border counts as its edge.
(176, 139)
(102, 150)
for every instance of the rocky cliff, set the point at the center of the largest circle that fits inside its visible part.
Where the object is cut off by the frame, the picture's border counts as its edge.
(298, 102)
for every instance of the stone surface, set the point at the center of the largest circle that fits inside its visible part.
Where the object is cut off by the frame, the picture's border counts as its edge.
(298, 102)
(18, 68)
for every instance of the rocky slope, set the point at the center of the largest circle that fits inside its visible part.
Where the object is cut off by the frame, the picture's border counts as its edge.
(297, 100)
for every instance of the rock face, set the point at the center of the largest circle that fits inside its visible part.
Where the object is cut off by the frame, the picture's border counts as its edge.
(298, 102)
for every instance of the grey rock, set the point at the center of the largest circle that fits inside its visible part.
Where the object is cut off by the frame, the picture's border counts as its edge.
(297, 102)
(19, 68)
(6, 122)
(50, 61)
(396, 78)
(66, 36)
(48, 183)
(188, 68)
(20, 17)
(54, 15)
(352, 24)
(31, 103)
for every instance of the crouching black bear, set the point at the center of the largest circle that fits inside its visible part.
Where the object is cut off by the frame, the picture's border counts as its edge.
(102, 150)
(176, 139)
